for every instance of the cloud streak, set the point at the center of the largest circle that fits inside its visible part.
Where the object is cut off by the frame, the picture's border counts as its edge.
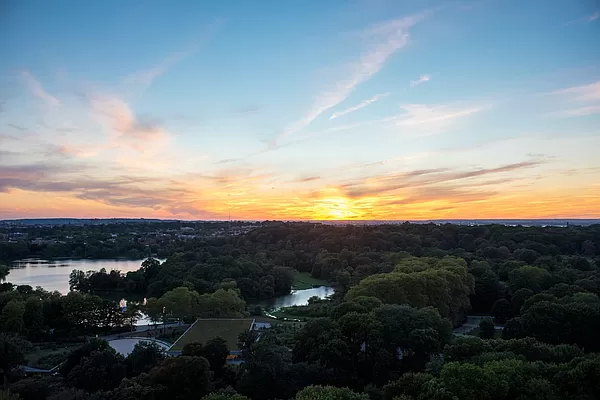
(589, 92)
(146, 77)
(391, 37)
(432, 118)
(422, 79)
(378, 185)
(358, 106)
(586, 97)
(35, 87)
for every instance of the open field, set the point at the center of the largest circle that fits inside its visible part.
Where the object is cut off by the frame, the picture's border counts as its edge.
(303, 280)
(205, 329)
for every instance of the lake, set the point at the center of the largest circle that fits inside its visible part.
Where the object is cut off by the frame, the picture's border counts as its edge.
(54, 275)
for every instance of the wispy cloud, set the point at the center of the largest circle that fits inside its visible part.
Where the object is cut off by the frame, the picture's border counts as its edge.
(358, 106)
(390, 36)
(432, 118)
(594, 16)
(578, 112)
(586, 99)
(308, 179)
(145, 77)
(422, 79)
(427, 178)
(37, 90)
(589, 92)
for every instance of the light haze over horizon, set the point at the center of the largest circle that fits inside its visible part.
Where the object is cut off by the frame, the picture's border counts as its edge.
(375, 110)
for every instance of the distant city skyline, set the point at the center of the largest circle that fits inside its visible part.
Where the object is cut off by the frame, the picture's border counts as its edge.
(338, 110)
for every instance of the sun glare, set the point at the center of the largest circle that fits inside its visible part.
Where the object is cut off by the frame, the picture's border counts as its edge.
(336, 208)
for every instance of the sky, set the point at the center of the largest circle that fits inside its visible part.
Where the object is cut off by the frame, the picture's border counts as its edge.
(366, 109)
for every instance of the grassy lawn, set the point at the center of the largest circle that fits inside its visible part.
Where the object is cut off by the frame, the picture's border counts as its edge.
(47, 356)
(205, 329)
(283, 313)
(303, 280)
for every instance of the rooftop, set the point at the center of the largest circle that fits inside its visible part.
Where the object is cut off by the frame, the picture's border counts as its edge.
(205, 329)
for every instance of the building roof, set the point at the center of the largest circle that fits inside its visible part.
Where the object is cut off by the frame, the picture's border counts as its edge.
(205, 329)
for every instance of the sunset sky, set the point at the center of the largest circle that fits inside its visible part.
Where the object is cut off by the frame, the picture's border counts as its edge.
(369, 109)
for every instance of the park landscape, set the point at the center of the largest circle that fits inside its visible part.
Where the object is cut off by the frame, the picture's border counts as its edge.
(418, 311)
(299, 200)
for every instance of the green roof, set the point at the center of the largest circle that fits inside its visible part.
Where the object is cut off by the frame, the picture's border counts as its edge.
(205, 329)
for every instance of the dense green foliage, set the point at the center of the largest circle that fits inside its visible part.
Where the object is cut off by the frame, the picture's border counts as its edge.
(385, 335)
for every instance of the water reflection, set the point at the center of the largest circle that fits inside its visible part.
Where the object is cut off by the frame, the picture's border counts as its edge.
(54, 274)
(297, 298)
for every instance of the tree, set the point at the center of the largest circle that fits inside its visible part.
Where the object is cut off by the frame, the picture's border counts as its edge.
(501, 310)
(11, 319)
(12, 352)
(487, 328)
(269, 364)
(4, 271)
(76, 356)
(72, 394)
(329, 393)
(102, 370)
(132, 313)
(513, 329)
(533, 278)
(154, 310)
(469, 381)
(183, 377)
(221, 304)
(518, 299)
(419, 282)
(224, 396)
(215, 350)
(144, 356)
(180, 303)
(193, 349)
(7, 395)
(415, 333)
(33, 316)
(409, 384)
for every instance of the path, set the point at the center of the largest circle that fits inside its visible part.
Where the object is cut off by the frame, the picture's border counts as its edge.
(140, 329)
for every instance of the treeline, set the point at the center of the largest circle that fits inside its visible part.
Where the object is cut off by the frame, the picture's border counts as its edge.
(255, 280)
(109, 240)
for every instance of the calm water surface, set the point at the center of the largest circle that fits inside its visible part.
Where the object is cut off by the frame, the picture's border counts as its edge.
(54, 274)
(297, 298)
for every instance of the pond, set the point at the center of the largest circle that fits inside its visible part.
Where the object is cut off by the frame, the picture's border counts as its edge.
(297, 298)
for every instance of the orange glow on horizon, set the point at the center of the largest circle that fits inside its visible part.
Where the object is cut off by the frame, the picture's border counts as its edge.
(330, 204)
